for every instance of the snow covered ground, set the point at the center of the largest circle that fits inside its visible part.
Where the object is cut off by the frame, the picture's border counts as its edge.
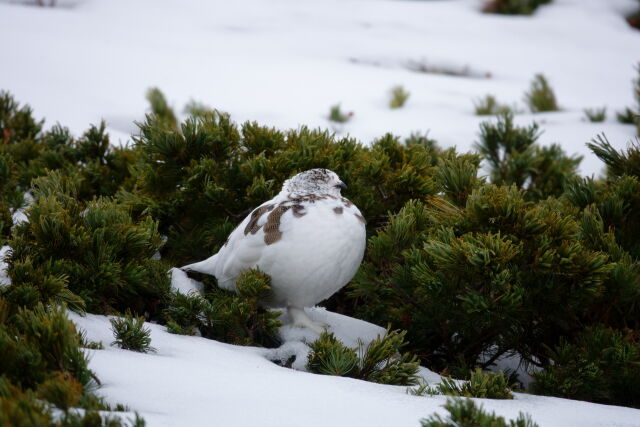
(193, 381)
(285, 62)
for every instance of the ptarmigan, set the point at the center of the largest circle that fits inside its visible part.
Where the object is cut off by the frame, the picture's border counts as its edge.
(308, 238)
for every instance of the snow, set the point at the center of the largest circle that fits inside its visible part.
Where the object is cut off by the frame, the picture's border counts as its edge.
(199, 382)
(4, 278)
(183, 284)
(285, 62)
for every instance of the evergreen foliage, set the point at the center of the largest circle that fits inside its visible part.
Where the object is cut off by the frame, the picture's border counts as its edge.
(627, 116)
(227, 316)
(616, 203)
(27, 152)
(398, 97)
(496, 276)
(43, 367)
(458, 176)
(514, 158)
(425, 141)
(131, 334)
(464, 413)
(540, 96)
(601, 365)
(596, 115)
(25, 409)
(38, 345)
(455, 271)
(161, 113)
(631, 115)
(336, 114)
(88, 255)
(489, 105)
(513, 7)
(197, 109)
(379, 362)
(329, 356)
(486, 385)
(618, 163)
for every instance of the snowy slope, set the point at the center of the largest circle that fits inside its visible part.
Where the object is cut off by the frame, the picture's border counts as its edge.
(285, 62)
(193, 381)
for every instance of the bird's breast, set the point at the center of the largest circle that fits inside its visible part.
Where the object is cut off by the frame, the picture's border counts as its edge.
(318, 251)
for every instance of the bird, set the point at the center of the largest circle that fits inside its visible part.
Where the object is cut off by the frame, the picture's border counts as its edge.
(309, 239)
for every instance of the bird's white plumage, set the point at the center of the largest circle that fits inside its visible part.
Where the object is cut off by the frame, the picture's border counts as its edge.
(308, 239)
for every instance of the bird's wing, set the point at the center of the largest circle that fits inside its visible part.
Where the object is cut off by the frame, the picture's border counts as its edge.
(242, 251)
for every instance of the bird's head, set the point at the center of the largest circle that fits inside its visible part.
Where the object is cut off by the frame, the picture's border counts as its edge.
(314, 181)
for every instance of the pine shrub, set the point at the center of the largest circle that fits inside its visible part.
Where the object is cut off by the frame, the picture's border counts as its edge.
(458, 176)
(498, 275)
(379, 362)
(617, 199)
(63, 390)
(618, 163)
(38, 343)
(465, 413)
(489, 105)
(485, 385)
(28, 152)
(399, 97)
(88, 255)
(329, 356)
(197, 109)
(183, 314)
(513, 7)
(161, 113)
(227, 316)
(596, 115)
(601, 365)
(514, 158)
(24, 409)
(338, 116)
(131, 334)
(540, 97)
(16, 122)
(20, 409)
(42, 367)
(10, 197)
(626, 116)
(423, 139)
(471, 265)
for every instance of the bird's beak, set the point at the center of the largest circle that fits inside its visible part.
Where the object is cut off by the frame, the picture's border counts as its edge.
(341, 186)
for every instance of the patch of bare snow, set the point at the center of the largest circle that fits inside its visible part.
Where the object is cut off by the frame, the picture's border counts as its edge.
(200, 382)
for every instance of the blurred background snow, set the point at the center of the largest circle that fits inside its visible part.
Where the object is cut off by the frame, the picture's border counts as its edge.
(285, 62)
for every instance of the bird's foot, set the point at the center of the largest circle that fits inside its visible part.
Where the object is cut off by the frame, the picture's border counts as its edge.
(301, 320)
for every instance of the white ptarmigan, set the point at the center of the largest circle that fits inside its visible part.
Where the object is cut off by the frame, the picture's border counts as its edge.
(309, 239)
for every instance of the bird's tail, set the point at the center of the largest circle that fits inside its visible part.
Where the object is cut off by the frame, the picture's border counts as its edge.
(206, 267)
